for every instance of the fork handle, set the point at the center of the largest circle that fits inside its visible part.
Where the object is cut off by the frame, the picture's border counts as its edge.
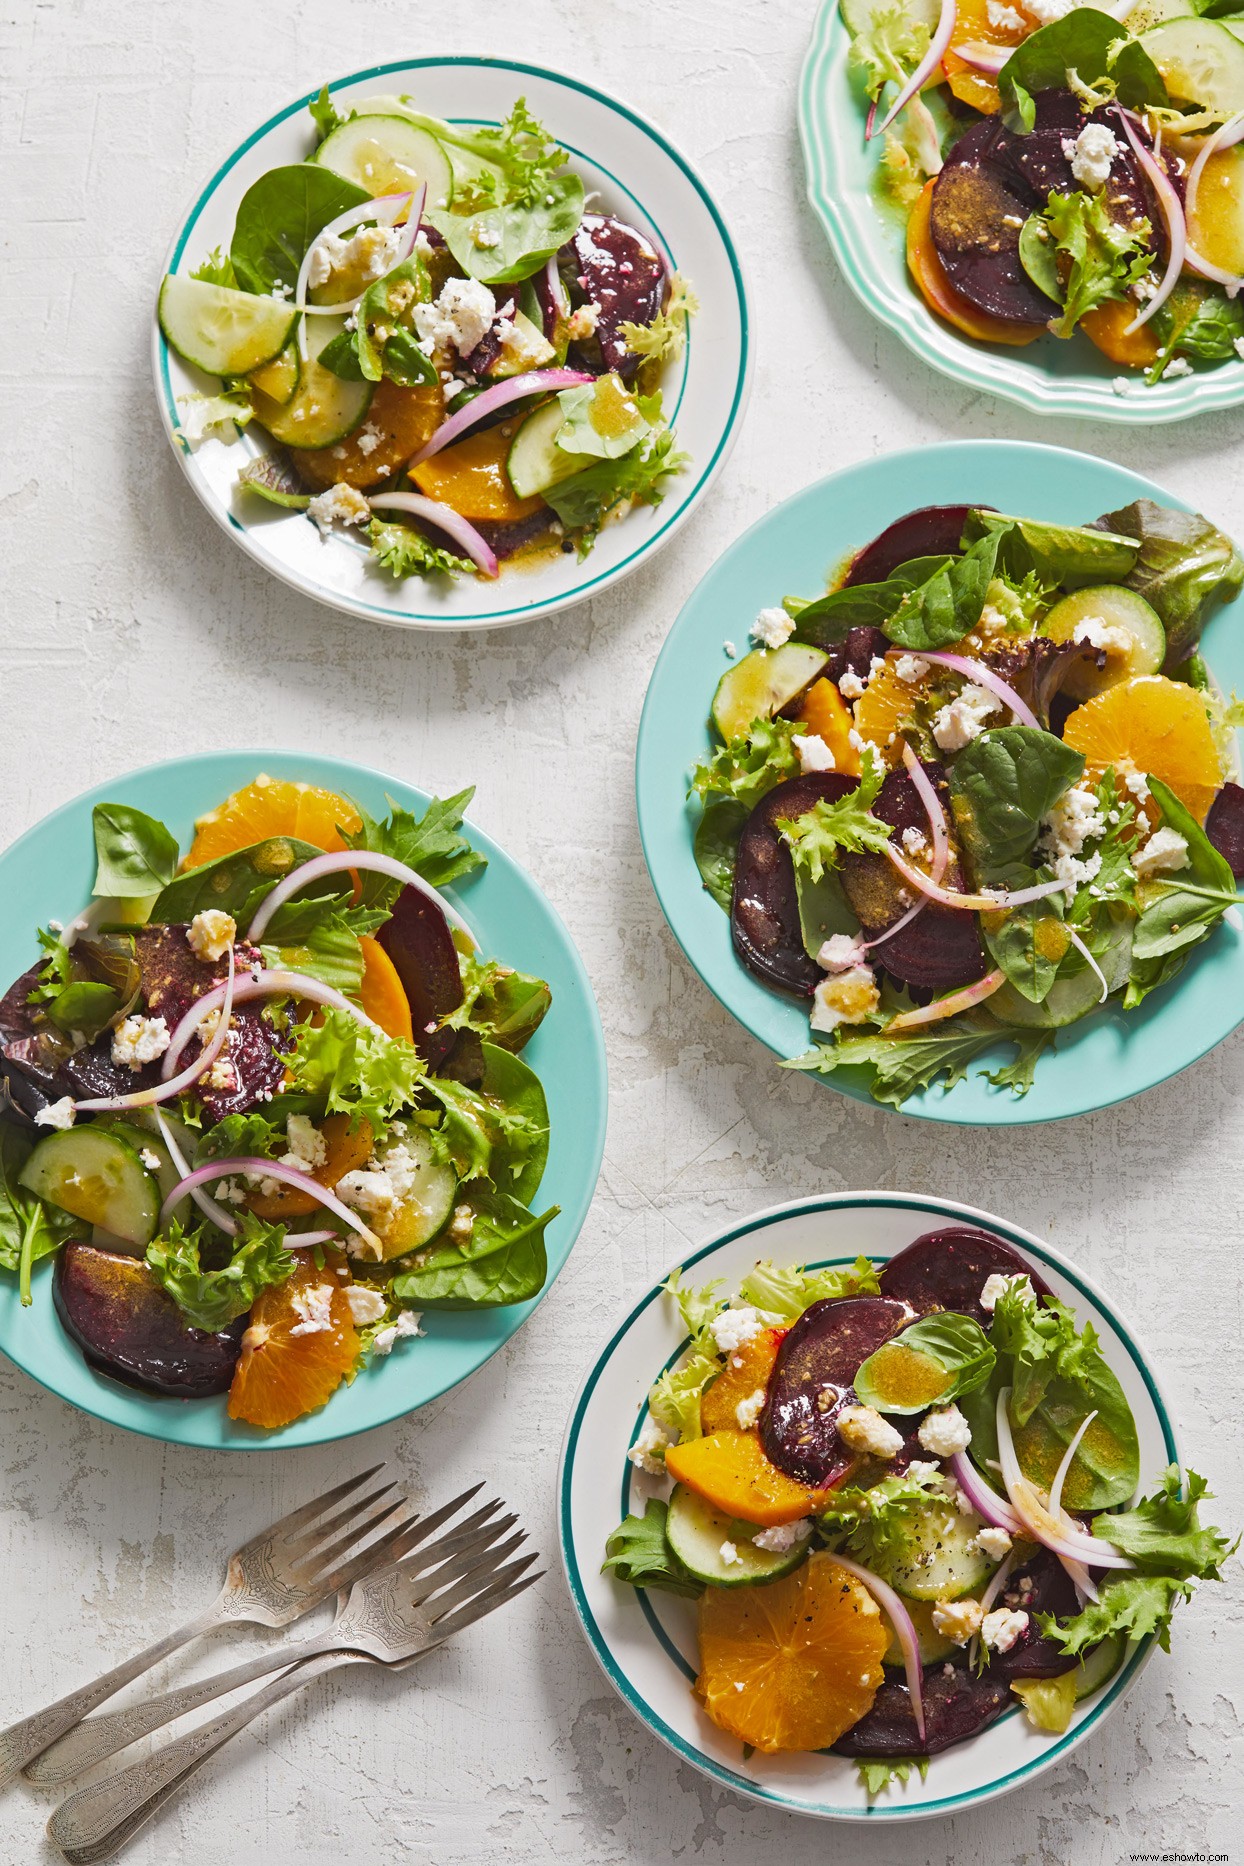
(23, 1741)
(97, 1821)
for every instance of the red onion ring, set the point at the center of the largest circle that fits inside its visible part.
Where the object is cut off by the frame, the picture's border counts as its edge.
(947, 1007)
(901, 1621)
(1172, 213)
(982, 675)
(990, 58)
(264, 984)
(204, 1200)
(1080, 947)
(941, 844)
(557, 291)
(534, 382)
(925, 69)
(164, 1091)
(971, 903)
(436, 512)
(982, 1496)
(286, 1176)
(321, 865)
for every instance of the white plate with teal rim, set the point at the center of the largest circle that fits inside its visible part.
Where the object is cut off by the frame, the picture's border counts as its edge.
(646, 1646)
(1050, 376)
(641, 177)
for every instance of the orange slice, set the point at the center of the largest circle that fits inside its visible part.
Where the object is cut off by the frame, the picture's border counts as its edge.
(887, 701)
(827, 714)
(746, 1371)
(381, 994)
(280, 1375)
(472, 477)
(348, 1149)
(973, 26)
(272, 807)
(1106, 326)
(399, 423)
(1156, 726)
(792, 1665)
(939, 294)
(730, 1470)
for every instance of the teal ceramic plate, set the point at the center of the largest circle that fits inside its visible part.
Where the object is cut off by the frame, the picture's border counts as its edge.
(646, 1643)
(1099, 1061)
(47, 874)
(1050, 377)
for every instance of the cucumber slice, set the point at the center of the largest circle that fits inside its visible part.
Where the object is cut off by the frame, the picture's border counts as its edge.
(387, 155)
(428, 1204)
(1151, 13)
(149, 1147)
(525, 348)
(323, 408)
(696, 1534)
(279, 378)
(1200, 62)
(535, 461)
(935, 1559)
(1118, 608)
(762, 683)
(1099, 1665)
(99, 1177)
(934, 1646)
(224, 332)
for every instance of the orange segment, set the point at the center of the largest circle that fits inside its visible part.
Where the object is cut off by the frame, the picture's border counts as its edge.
(887, 701)
(792, 1665)
(472, 477)
(747, 1370)
(973, 26)
(348, 1149)
(1155, 726)
(1216, 223)
(280, 1375)
(381, 994)
(730, 1470)
(272, 807)
(940, 295)
(1106, 326)
(827, 714)
(399, 422)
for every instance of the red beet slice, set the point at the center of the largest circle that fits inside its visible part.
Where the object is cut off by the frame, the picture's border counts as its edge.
(418, 940)
(948, 1269)
(127, 1327)
(1225, 826)
(956, 1707)
(509, 537)
(764, 916)
(620, 272)
(1042, 1585)
(980, 202)
(932, 531)
(811, 1383)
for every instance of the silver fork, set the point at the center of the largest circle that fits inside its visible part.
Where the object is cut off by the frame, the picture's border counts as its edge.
(271, 1580)
(394, 1616)
(96, 1738)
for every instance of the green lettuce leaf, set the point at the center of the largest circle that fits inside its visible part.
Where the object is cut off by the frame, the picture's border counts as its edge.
(135, 854)
(585, 500)
(1184, 564)
(816, 839)
(639, 1553)
(877, 1775)
(903, 1065)
(29, 1228)
(877, 1521)
(748, 768)
(211, 1299)
(891, 47)
(787, 1292)
(674, 1400)
(216, 269)
(348, 1068)
(1001, 786)
(325, 115)
(503, 1261)
(505, 1006)
(665, 338)
(1086, 51)
(431, 844)
(1105, 258)
(697, 1307)
(407, 553)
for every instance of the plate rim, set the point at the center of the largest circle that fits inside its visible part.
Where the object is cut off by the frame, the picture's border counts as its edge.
(930, 1204)
(937, 344)
(598, 1058)
(522, 613)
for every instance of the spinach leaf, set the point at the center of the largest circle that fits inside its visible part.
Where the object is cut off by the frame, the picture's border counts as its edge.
(749, 767)
(1001, 785)
(521, 1151)
(377, 327)
(278, 218)
(29, 1228)
(948, 603)
(340, 357)
(85, 1006)
(211, 1299)
(823, 910)
(329, 950)
(1198, 321)
(502, 244)
(431, 844)
(1183, 563)
(405, 363)
(1178, 910)
(639, 1553)
(234, 883)
(953, 1344)
(1038, 255)
(716, 848)
(502, 1262)
(504, 1006)
(135, 854)
(1028, 942)
(1066, 555)
(1088, 46)
(827, 619)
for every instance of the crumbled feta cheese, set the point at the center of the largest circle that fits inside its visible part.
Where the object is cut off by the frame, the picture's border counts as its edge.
(1136, 783)
(371, 252)
(734, 1328)
(1074, 873)
(315, 1306)
(368, 439)
(998, 1285)
(211, 933)
(850, 686)
(1122, 385)
(1045, 12)
(365, 1304)
(729, 1553)
(484, 237)
(749, 1410)
(995, 1543)
(1164, 853)
(339, 502)
(945, 1432)
(1095, 150)
(772, 627)
(1238, 347)
(1002, 1628)
(583, 322)
(150, 1159)
(840, 952)
(1178, 366)
(1005, 18)
(139, 1040)
(959, 1620)
(782, 1536)
(963, 719)
(730, 649)
(57, 1113)
(1074, 820)
(1098, 633)
(648, 1451)
(861, 1428)
(851, 997)
(369, 1192)
(407, 1323)
(307, 1146)
(814, 754)
(459, 319)
(910, 667)
(914, 840)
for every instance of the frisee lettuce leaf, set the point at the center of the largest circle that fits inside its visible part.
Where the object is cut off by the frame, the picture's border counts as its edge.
(891, 48)
(674, 1400)
(499, 1003)
(431, 844)
(638, 1552)
(749, 767)
(821, 834)
(1104, 257)
(584, 501)
(786, 1292)
(404, 552)
(877, 1774)
(664, 339)
(216, 269)
(348, 1068)
(211, 1299)
(876, 1521)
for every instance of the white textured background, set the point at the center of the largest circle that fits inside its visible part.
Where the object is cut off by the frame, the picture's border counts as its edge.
(133, 630)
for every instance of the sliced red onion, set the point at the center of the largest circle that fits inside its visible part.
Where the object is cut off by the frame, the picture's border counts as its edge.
(386, 210)
(925, 69)
(947, 1007)
(414, 219)
(1060, 1534)
(990, 58)
(209, 1206)
(1222, 138)
(1172, 213)
(992, 902)
(982, 1496)
(260, 984)
(321, 865)
(925, 139)
(983, 675)
(557, 291)
(997, 1581)
(285, 1176)
(436, 512)
(941, 844)
(1060, 1475)
(165, 1091)
(1080, 947)
(535, 382)
(908, 1638)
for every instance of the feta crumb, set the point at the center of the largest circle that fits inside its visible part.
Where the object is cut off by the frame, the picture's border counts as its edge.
(840, 952)
(910, 667)
(648, 1451)
(1136, 783)
(1238, 347)
(914, 840)
(1098, 633)
(850, 998)
(1005, 18)
(369, 1192)
(945, 1432)
(1164, 853)
(749, 1410)
(1095, 150)
(730, 649)
(139, 1040)
(783, 1536)
(211, 933)
(1002, 1628)
(861, 1428)
(365, 1304)
(814, 754)
(1178, 366)
(850, 686)
(307, 1146)
(734, 1328)
(57, 1113)
(459, 319)
(368, 439)
(963, 719)
(772, 627)
(1074, 820)
(729, 1553)
(315, 1306)
(407, 1323)
(583, 322)
(339, 502)
(998, 1285)
(995, 1543)
(1045, 12)
(150, 1159)
(959, 1620)
(372, 252)
(1122, 385)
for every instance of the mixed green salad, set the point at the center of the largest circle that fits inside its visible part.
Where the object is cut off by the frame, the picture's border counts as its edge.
(979, 788)
(902, 1497)
(451, 353)
(265, 1105)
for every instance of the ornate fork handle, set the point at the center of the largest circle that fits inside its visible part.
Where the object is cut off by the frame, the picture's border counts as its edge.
(23, 1741)
(95, 1822)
